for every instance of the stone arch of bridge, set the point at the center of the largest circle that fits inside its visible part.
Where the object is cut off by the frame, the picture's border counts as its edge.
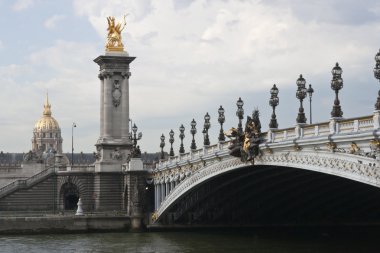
(354, 167)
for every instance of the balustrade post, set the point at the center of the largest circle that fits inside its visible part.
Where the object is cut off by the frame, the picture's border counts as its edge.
(270, 136)
(332, 126)
(376, 119)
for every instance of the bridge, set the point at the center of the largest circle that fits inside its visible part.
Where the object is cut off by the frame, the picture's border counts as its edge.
(310, 173)
(346, 148)
(306, 174)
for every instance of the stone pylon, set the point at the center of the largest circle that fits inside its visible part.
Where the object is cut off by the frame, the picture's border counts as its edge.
(113, 145)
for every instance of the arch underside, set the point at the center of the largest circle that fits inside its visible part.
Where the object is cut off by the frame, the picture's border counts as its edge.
(262, 194)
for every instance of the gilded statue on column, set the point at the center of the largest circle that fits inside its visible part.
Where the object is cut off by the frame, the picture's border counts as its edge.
(114, 29)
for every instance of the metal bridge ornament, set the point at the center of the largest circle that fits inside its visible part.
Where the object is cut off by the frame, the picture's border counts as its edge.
(162, 145)
(221, 120)
(206, 127)
(134, 137)
(310, 91)
(301, 95)
(273, 102)
(114, 41)
(246, 144)
(336, 85)
(376, 72)
(171, 141)
(181, 136)
(193, 131)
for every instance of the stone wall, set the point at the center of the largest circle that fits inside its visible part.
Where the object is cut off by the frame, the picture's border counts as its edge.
(63, 224)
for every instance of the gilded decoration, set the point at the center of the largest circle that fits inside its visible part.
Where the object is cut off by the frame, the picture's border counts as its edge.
(46, 122)
(114, 40)
(245, 144)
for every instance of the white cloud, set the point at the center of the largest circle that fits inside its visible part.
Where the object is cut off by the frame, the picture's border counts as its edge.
(211, 52)
(51, 22)
(21, 5)
(193, 58)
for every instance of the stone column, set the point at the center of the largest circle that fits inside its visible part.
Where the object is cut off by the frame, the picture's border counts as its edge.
(162, 192)
(158, 200)
(113, 145)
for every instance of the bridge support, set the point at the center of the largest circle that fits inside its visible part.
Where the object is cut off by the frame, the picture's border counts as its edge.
(113, 145)
(136, 193)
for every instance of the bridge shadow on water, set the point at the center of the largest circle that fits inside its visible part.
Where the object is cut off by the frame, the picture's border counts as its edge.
(276, 196)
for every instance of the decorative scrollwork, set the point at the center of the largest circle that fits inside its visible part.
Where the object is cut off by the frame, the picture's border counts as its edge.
(116, 154)
(116, 93)
(246, 145)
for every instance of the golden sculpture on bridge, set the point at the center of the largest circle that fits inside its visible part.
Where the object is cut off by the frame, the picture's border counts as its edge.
(114, 29)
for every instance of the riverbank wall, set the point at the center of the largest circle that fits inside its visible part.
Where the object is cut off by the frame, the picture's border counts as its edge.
(64, 224)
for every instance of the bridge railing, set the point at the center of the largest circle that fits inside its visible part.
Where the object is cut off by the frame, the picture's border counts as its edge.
(317, 130)
(343, 126)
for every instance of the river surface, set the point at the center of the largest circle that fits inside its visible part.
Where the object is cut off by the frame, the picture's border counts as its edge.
(345, 240)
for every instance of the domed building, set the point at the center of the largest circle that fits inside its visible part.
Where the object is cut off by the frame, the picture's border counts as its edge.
(46, 132)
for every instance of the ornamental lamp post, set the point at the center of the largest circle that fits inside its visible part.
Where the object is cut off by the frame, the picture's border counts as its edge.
(171, 140)
(336, 85)
(273, 101)
(376, 72)
(193, 131)
(181, 136)
(206, 126)
(204, 136)
(221, 120)
(134, 138)
(301, 94)
(240, 114)
(162, 145)
(310, 91)
(72, 143)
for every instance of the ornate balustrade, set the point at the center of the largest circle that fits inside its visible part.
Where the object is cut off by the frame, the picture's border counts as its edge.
(298, 134)
(355, 139)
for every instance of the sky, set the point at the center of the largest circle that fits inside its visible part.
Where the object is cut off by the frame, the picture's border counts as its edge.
(192, 57)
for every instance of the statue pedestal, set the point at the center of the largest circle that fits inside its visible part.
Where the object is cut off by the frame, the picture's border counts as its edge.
(135, 164)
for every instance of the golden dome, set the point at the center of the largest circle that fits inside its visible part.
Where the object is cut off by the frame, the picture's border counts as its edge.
(46, 122)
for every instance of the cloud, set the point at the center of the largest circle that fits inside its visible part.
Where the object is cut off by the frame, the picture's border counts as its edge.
(193, 56)
(205, 53)
(51, 22)
(21, 5)
(70, 76)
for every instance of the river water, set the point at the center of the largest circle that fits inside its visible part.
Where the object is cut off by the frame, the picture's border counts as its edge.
(269, 241)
